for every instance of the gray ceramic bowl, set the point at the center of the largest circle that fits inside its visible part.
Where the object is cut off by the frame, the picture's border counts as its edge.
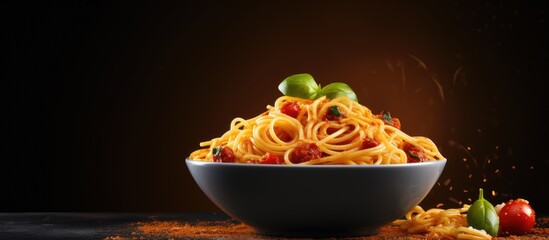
(315, 201)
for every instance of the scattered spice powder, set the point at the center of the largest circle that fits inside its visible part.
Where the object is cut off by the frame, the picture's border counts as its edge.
(116, 238)
(215, 229)
(231, 229)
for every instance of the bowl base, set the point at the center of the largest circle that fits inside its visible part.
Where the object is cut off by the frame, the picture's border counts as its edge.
(311, 233)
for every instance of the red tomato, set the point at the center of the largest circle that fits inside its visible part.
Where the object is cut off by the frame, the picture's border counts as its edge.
(223, 154)
(283, 135)
(291, 109)
(330, 117)
(516, 217)
(368, 143)
(334, 113)
(269, 158)
(414, 154)
(396, 123)
(385, 116)
(331, 130)
(305, 152)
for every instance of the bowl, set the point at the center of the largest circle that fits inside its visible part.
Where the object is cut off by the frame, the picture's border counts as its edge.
(317, 200)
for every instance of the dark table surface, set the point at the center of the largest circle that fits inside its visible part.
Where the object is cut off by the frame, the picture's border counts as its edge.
(87, 225)
(121, 226)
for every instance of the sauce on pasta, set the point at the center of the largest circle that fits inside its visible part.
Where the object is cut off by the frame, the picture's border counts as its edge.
(317, 131)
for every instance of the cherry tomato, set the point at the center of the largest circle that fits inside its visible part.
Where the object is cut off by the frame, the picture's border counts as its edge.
(368, 143)
(223, 154)
(516, 217)
(269, 158)
(291, 109)
(305, 152)
(414, 154)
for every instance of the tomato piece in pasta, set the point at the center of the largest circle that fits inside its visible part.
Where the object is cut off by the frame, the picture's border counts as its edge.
(305, 152)
(223, 154)
(387, 119)
(333, 113)
(414, 154)
(396, 123)
(368, 143)
(269, 158)
(291, 109)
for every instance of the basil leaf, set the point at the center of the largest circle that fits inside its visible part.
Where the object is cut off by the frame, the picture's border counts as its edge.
(216, 151)
(300, 85)
(338, 89)
(386, 116)
(483, 216)
(334, 111)
(413, 154)
(304, 86)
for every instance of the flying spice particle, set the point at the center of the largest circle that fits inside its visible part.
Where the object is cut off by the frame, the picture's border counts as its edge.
(440, 205)
(465, 159)
(470, 175)
(493, 193)
(451, 188)
(465, 190)
(513, 167)
(532, 167)
(484, 180)
(447, 181)
(469, 148)
(497, 170)
(469, 199)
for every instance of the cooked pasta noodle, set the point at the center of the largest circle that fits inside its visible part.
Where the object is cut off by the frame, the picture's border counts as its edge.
(449, 223)
(341, 139)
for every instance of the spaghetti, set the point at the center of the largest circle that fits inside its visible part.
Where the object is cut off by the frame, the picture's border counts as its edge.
(449, 223)
(319, 131)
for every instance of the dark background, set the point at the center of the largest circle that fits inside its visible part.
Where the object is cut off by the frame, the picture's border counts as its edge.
(103, 101)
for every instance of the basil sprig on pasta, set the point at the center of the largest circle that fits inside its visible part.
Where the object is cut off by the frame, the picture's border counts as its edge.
(304, 86)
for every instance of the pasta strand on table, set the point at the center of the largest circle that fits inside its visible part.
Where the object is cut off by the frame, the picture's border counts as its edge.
(440, 222)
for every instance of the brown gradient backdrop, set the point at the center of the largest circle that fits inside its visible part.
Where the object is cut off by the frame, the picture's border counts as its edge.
(104, 101)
